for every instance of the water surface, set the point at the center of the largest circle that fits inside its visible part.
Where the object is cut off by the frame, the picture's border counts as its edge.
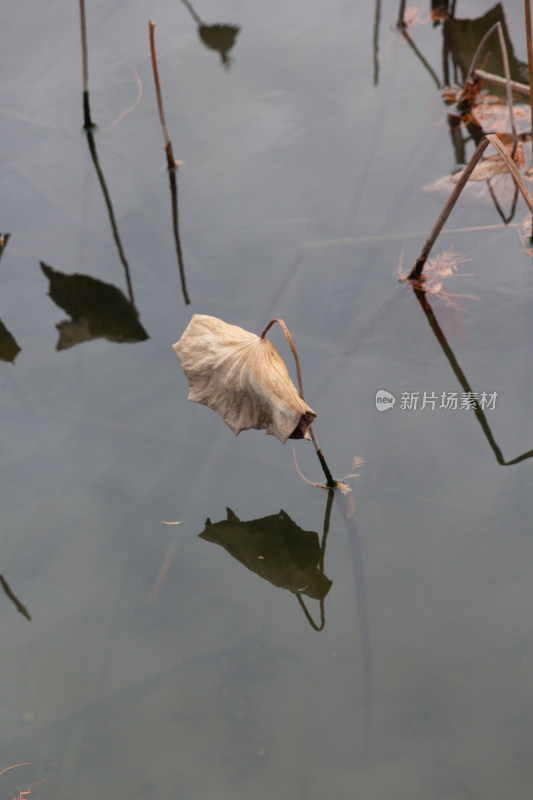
(155, 663)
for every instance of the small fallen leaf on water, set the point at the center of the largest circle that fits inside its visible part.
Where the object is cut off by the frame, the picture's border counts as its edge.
(242, 377)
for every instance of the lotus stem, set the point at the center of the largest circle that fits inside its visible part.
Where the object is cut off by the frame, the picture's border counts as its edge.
(166, 136)
(171, 164)
(87, 122)
(330, 480)
(111, 214)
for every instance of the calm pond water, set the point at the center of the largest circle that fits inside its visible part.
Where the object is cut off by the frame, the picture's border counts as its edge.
(162, 663)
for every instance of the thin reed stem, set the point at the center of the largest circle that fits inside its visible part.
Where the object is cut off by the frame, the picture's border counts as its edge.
(416, 272)
(171, 164)
(87, 121)
(164, 126)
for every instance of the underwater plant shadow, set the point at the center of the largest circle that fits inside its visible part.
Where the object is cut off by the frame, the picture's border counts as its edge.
(98, 310)
(280, 552)
(217, 37)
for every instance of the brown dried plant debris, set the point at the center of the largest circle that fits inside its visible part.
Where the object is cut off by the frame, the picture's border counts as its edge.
(23, 793)
(525, 232)
(412, 17)
(242, 377)
(438, 269)
(343, 487)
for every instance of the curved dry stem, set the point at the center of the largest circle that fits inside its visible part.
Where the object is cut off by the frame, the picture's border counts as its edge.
(507, 72)
(293, 349)
(479, 50)
(331, 482)
(495, 142)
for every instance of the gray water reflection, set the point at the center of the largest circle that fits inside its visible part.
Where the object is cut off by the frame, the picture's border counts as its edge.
(155, 665)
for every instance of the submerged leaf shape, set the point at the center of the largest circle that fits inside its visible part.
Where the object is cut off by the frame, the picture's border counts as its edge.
(242, 376)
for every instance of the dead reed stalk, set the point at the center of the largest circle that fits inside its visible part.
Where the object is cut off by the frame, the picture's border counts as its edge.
(87, 121)
(492, 139)
(171, 164)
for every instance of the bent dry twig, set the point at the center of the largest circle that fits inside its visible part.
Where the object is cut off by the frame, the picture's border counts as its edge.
(330, 480)
(507, 72)
(491, 138)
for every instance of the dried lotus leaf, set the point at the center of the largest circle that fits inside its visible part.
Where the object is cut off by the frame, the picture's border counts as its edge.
(242, 376)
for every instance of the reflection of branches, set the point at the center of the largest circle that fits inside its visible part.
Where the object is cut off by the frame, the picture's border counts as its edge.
(21, 608)
(175, 227)
(87, 122)
(327, 518)
(363, 620)
(215, 37)
(421, 296)
(499, 209)
(419, 55)
(375, 41)
(112, 220)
